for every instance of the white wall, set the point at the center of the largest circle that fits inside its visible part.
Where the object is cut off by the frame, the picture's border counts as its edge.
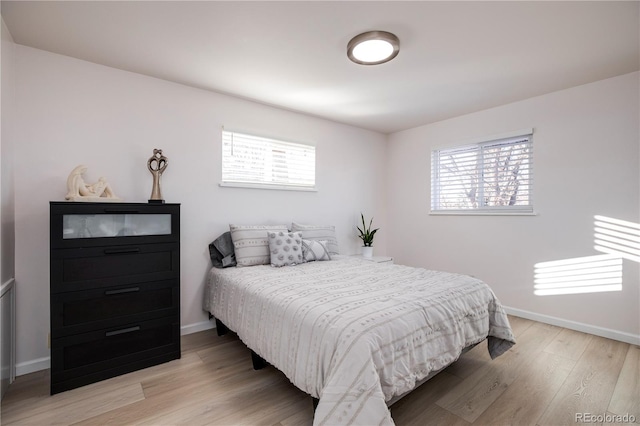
(6, 156)
(7, 205)
(73, 112)
(586, 163)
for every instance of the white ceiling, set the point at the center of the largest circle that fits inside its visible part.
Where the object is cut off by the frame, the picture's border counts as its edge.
(455, 57)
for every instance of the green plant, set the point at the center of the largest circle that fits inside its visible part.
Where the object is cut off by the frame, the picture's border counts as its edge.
(366, 234)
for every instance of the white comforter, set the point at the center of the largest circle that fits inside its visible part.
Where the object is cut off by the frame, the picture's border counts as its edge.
(354, 333)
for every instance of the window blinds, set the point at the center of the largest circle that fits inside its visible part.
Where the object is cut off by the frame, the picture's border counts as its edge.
(249, 160)
(493, 176)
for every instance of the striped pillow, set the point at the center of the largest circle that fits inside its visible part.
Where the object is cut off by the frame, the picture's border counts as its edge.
(318, 233)
(250, 243)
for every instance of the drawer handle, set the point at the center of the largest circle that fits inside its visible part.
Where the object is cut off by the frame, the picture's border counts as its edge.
(123, 331)
(122, 250)
(122, 290)
(120, 210)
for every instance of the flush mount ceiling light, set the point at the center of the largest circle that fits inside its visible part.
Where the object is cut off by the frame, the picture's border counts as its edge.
(373, 48)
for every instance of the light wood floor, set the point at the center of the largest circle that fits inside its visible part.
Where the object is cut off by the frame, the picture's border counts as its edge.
(548, 377)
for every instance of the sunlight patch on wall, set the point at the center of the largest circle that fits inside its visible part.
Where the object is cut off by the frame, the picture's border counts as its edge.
(615, 236)
(590, 274)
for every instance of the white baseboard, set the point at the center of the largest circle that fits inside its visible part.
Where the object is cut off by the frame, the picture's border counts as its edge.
(33, 366)
(199, 326)
(633, 339)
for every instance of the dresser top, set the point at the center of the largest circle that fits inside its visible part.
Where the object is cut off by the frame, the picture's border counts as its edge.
(127, 204)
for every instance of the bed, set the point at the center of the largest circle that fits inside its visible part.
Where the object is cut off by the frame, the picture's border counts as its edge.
(355, 334)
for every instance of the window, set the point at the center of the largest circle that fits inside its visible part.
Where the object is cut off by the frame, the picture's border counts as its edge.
(257, 162)
(488, 177)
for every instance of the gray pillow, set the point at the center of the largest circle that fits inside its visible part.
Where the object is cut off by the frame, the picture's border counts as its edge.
(314, 250)
(318, 233)
(221, 251)
(285, 248)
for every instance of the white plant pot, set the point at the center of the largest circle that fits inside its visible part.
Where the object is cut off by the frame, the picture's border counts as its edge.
(367, 251)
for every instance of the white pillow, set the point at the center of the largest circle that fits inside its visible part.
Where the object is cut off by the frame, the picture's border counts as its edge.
(314, 250)
(318, 233)
(285, 248)
(250, 243)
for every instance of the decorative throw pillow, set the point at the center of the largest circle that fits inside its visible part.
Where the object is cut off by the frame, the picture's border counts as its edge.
(314, 250)
(250, 243)
(318, 233)
(285, 248)
(221, 251)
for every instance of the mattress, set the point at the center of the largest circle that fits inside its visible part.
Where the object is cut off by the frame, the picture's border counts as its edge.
(356, 334)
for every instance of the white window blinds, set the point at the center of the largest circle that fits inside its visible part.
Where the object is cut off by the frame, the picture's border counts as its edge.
(487, 177)
(254, 161)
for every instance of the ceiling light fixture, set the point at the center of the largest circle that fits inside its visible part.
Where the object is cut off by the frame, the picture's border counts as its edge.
(373, 48)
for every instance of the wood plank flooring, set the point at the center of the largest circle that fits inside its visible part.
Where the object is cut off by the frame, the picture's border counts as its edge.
(546, 379)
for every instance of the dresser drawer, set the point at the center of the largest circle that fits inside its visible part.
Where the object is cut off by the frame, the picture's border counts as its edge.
(99, 267)
(82, 311)
(92, 224)
(112, 348)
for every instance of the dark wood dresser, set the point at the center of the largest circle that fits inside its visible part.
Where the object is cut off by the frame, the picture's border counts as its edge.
(115, 289)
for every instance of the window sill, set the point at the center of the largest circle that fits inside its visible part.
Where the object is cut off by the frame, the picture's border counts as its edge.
(272, 187)
(482, 213)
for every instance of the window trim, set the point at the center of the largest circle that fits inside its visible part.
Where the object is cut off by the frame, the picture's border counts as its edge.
(527, 210)
(268, 186)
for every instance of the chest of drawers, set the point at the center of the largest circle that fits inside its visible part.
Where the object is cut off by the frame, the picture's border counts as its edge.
(115, 289)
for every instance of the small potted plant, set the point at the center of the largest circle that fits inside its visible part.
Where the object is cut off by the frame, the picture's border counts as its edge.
(366, 235)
